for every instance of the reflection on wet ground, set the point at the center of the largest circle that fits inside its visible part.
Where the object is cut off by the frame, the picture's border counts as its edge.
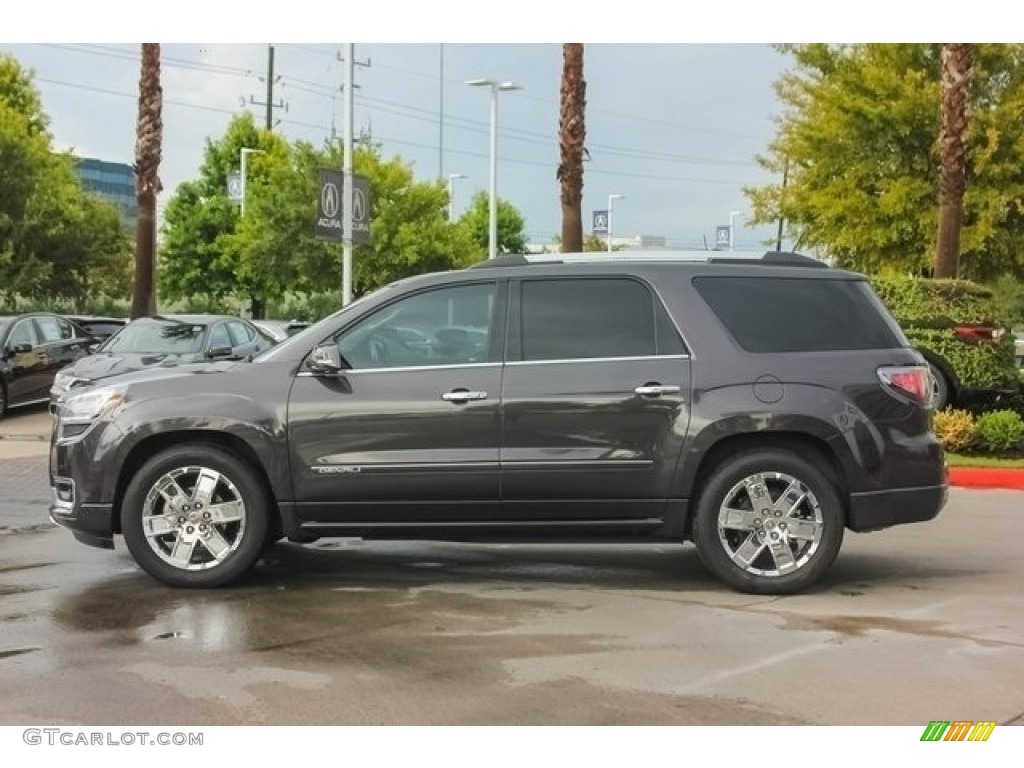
(345, 631)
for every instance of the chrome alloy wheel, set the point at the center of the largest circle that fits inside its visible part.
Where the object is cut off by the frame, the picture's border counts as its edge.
(770, 524)
(193, 518)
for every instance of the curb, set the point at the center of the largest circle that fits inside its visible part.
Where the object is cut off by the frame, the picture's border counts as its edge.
(987, 477)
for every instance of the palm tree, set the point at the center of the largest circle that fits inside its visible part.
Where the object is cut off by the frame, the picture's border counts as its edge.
(572, 133)
(957, 59)
(148, 143)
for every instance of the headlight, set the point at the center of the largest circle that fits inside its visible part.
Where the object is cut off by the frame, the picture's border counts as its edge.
(92, 405)
(63, 381)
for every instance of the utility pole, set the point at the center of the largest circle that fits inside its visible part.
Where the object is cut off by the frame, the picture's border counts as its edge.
(269, 103)
(782, 200)
(346, 196)
(440, 111)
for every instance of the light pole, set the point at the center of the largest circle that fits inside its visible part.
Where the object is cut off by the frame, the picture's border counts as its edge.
(611, 200)
(451, 193)
(732, 228)
(245, 152)
(495, 86)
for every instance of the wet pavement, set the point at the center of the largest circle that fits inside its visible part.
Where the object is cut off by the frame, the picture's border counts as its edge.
(912, 624)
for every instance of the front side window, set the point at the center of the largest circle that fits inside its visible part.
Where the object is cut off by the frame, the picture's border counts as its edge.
(573, 319)
(445, 326)
(23, 333)
(219, 338)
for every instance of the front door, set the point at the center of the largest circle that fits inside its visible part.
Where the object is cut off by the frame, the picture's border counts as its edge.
(29, 381)
(408, 434)
(595, 401)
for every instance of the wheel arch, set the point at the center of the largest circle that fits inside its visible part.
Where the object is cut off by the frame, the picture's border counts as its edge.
(802, 444)
(154, 444)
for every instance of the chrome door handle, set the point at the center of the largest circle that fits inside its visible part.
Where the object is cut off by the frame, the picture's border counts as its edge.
(463, 395)
(653, 390)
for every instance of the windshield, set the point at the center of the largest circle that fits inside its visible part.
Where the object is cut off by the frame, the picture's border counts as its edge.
(149, 336)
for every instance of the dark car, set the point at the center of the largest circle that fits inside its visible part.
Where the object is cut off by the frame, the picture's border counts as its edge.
(100, 328)
(33, 347)
(163, 341)
(756, 407)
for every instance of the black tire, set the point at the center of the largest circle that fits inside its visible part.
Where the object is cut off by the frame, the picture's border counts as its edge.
(940, 388)
(194, 532)
(768, 529)
(3, 399)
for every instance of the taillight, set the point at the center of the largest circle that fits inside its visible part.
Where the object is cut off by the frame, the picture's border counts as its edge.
(914, 381)
(977, 333)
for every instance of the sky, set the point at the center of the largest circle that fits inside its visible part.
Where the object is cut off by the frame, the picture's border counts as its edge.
(678, 107)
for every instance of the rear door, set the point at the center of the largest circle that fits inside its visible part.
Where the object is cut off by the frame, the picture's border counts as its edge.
(595, 400)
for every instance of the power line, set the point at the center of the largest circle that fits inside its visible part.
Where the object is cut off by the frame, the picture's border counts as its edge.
(390, 140)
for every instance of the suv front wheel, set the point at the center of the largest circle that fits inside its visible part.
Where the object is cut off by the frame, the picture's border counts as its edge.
(768, 522)
(195, 516)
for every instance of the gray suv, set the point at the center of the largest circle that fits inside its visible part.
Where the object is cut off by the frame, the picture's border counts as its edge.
(757, 407)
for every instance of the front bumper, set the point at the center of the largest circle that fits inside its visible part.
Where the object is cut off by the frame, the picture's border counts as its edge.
(875, 510)
(91, 524)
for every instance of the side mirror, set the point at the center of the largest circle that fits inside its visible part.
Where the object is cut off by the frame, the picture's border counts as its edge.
(325, 359)
(20, 349)
(215, 353)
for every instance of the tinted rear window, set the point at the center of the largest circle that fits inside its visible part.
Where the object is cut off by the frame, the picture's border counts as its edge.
(780, 314)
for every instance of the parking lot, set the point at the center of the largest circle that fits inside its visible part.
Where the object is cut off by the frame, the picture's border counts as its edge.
(913, 624)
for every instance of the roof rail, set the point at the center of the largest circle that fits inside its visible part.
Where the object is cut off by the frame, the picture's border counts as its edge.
(505, 260)
(774, 258)
(777, 258)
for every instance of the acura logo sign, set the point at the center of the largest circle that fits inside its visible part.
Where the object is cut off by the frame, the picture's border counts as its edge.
(330, 200)
(358, 205)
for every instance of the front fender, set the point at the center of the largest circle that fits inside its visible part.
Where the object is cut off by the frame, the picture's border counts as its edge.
(258, 425)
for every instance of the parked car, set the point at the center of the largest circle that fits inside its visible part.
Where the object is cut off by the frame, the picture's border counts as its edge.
(33, 347)
(623, 398)
(280, 330)
(952, 323)
(164, 341)
(1018, 346)
(100, 328)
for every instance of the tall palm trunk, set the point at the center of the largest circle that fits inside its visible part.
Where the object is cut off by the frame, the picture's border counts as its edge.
(572, 133)
(148, 143)
(957, 59)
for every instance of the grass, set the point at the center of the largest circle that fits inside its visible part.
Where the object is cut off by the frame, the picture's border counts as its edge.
(987, 462)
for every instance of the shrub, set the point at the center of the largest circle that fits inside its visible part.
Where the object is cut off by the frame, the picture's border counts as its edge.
(955, 429)
(929, 310)
(1000, 431)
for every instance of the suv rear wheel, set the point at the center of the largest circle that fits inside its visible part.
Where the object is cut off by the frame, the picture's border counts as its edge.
(195, 516)
(768, 522)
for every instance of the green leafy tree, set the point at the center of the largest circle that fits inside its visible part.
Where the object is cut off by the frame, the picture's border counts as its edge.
(202, 255)
(511, 225)
(272, 254)
(57, 243)
(860, 130)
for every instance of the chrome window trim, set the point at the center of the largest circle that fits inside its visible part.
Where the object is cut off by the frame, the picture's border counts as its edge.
(562, 361)
(404, 369)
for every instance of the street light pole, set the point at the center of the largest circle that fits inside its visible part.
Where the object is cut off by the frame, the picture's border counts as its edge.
(245, 152)
(495, 86)
(451, 193)
(611, 200)
(732, 228)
